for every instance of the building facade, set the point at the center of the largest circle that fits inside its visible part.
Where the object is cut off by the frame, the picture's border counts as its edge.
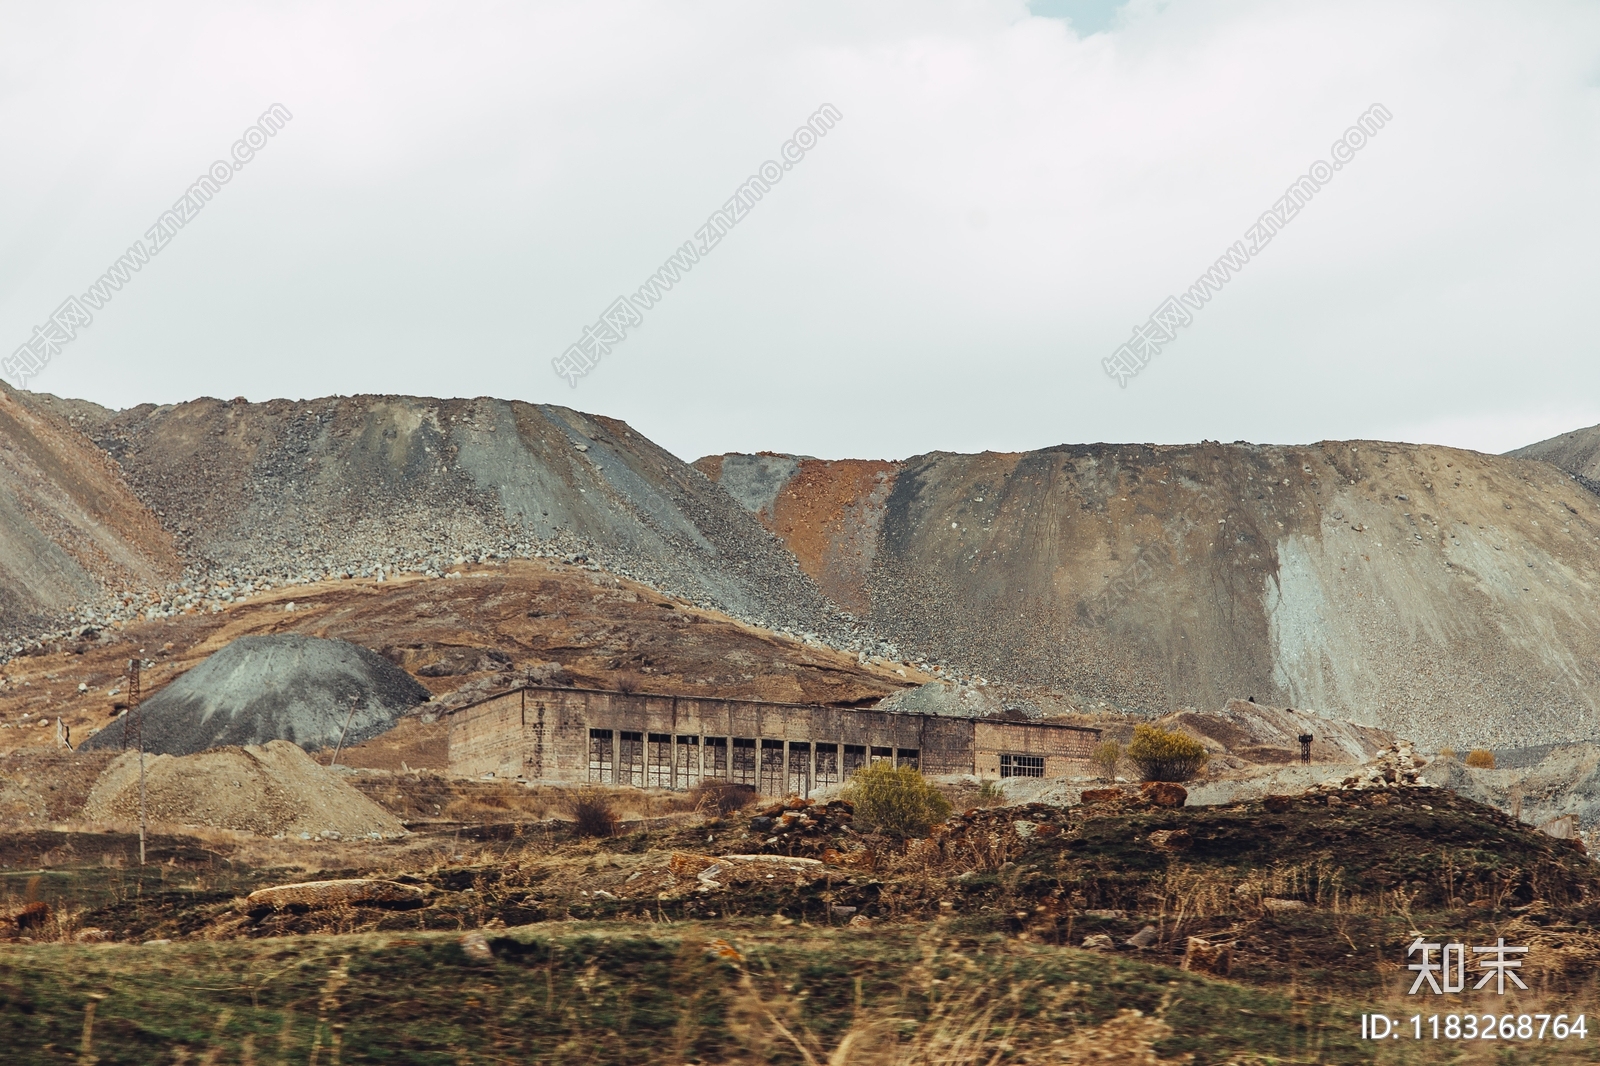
(576, 736)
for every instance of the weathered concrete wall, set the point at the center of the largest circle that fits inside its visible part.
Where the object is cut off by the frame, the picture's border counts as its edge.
(1063, 749)
(576, 735)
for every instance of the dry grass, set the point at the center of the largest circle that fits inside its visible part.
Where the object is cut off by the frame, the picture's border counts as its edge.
(592, 813)
(721, 798)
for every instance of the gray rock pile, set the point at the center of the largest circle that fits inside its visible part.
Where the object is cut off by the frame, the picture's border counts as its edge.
(306, 690)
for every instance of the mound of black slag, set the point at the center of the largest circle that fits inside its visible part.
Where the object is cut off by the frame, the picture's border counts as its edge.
(283, 687)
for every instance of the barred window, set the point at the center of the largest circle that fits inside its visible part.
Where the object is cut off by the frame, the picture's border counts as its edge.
(772, 768)
(855, 757)
(658, 761)
(908, 757)
(744, 761)
(688, 768)
(630, 759)
(600, 756)
(1022, 766)
(827, 765)
(799, 768)
(716, 763)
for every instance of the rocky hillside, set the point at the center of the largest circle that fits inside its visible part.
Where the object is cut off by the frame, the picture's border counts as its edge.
(1577, 453)
(369, 484)
(70, 530)
(1447, 595)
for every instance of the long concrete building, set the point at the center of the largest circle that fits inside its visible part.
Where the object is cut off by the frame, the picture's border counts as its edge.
(574, 736)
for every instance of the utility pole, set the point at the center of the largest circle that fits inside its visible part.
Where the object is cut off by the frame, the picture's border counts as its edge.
(138, 728)
(340, 746)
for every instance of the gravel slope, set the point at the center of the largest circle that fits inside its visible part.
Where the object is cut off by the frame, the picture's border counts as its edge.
(71, 532)
(1446, 595)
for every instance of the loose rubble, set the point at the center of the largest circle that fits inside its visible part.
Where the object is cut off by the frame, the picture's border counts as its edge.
(802, 827)
(1399, 766)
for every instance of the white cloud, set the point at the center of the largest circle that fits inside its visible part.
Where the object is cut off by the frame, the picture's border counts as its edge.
(462, 190)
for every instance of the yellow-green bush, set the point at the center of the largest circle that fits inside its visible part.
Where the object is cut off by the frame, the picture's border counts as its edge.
(1480, 759)
(1105, 758)
(895, 801)
(1165, 755)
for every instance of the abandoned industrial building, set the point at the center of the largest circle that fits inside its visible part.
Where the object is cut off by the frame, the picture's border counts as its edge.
(576, 736)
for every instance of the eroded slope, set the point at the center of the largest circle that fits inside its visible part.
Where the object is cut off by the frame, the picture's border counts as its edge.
(70, 530)
(1447, 595)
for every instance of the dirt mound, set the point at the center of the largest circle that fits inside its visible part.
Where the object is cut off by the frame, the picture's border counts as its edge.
(282, 687)
(267, 790)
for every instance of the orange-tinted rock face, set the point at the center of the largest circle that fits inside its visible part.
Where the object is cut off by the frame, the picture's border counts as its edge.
(829, 515)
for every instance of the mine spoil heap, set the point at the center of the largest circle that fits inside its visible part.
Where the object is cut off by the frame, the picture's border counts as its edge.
(309, 691)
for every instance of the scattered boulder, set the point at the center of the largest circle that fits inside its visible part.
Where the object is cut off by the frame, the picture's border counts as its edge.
(1164, 793)
(475, 946)
(1144, 938)
(1099, 942)
(802, 826)
(1282, 906)
(1202, 956)
(1103, 795)
(320, 895)
(1171, 839)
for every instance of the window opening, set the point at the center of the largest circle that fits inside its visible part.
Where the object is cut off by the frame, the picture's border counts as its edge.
(600, 756)
(630, 759)
(688, 765)
(744, 761)
(658, 760)
(772, 767)
(1022, 766)
(799, 781)
(827, 766)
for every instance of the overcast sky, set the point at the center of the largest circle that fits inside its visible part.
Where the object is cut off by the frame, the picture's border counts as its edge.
(1013, 187)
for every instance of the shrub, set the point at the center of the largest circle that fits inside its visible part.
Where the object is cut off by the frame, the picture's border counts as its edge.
(1105, 758)
(1480, 759)
(1447, 753)
(895, 801)
(1165, 755)
(990, 793)
(592, 814)
(721, 797)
